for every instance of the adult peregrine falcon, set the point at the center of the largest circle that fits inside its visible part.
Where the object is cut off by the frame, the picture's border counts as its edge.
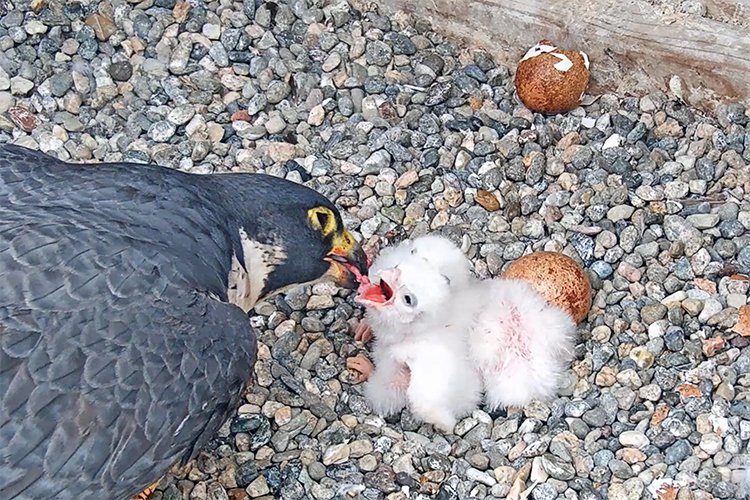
(122, 346)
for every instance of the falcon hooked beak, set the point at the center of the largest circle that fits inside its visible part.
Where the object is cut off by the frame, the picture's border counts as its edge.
(348, 261)
(293, 236)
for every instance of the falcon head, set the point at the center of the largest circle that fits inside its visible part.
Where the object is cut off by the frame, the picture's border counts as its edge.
(289, 235)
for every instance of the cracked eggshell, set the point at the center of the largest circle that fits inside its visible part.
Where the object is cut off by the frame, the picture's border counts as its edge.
(551, 80)
(557, 278)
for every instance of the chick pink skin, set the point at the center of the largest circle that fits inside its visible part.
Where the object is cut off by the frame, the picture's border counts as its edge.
(522, 344)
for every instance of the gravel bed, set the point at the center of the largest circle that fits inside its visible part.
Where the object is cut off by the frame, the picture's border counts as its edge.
(411, 133)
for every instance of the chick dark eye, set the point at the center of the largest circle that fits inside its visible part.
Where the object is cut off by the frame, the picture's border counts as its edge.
(410, 300)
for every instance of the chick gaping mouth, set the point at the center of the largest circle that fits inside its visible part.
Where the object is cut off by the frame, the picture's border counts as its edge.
(370, 294)
(380, 293)
(375, 294)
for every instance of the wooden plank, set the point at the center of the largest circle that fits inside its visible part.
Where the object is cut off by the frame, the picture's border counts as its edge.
(634, 47)
(735, 12)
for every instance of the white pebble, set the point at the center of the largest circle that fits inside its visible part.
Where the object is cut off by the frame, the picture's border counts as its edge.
(710, 443)
(612, 141)
(480, 477)
(588, 122)
(675, 297)
(736, 300)
(316, 116)
(212, 31)
(710, 307)
(35, 28)
(634, 439)
(336, 454)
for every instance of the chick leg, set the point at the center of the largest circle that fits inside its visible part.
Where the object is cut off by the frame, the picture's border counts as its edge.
(386, 387)
(435, 413)
(363, 332)
(429, 400)
(444, 386)
(146, 493)
(401, 378)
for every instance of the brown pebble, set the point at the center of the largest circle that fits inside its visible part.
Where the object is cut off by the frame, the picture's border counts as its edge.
(631, 455)
(688, 391)
(23, 118)
(237, 494)
(667, 492)
(407, 179)
(743, 324)
(242, 115)
(606, 377)
(712, 346)
(180, 11)
(487, 200)
(705, 285)
(660, 415)
(103, 27)
(629, 272)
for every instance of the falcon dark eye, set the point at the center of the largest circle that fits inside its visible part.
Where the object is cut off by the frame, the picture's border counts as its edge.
(322, 219)
(410, 300)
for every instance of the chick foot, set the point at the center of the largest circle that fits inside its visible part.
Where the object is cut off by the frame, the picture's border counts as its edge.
(363, 332)
(440, 418)
(361, 364)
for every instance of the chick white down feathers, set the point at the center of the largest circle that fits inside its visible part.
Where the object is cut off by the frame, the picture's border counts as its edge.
(420, 356)
(438, 251)
(458, 336)
(521, 344)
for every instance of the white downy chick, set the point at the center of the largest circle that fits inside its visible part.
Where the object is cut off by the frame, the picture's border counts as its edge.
(521, 344)
(437, 250)
(420, 355)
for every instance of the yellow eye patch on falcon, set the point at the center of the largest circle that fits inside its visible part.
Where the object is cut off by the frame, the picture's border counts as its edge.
(322, 219)
(343, 245)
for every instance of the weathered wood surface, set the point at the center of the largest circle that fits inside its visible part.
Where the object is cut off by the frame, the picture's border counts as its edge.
(730, 11)
(634, 47)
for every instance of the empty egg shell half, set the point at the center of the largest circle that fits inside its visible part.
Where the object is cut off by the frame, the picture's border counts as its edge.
(557, 278)
(550, 80)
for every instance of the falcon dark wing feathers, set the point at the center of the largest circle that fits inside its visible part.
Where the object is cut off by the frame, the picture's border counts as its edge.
(116, 358)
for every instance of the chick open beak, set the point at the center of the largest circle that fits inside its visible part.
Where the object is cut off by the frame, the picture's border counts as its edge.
(381, 293)
(349, 263)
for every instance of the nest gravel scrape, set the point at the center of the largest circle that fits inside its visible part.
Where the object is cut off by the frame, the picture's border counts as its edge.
(409, 133)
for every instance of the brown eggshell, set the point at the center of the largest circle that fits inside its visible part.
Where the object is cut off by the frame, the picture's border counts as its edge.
(551, 80)
(557, 278)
